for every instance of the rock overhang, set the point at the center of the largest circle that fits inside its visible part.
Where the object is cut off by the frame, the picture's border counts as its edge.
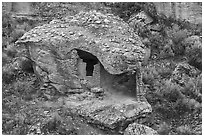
(107, 37)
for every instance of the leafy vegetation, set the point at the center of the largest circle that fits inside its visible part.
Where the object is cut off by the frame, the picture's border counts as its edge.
(165, 41)
(175, 103)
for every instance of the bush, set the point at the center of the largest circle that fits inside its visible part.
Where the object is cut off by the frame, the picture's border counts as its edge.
(177, 37)
(14, 68)
(8, 74)
(11, 51)
(8, 24)
(193, 89)
(193, 51)
(5, 59)
(185, 130)
(24, 89)
(164, 129)
(149, 76)
(169, 100)
(157, 44)
(26, 65)
(126, 9)
(171, 92)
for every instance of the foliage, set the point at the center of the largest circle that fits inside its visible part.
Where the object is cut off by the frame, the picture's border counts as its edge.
(8, 74)
(193, 51)
(8, 26)
(170, 21)
(193, 89)
(164, 129)
(13, 70)
(5, 59)
(173, 102)
(177, 37)
(185, 130)
(125, 9)
(14, 97)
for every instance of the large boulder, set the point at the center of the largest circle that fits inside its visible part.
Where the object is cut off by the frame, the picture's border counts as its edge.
(53, 46)
(105, 36)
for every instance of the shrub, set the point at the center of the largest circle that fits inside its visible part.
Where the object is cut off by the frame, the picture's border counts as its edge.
(126, 9)
(11, 51)
(26, 65)
(24, 89)
(8, 74)
(5, 59)
(16, 69)
(193, 89)
(165, 72)
(182, 106)
(167, 51)
(8, 24)
(149, 75)
(157, 43)
(8, 77)
(193, 51)
(163, 129)
(171, 102)
(185, 130)
(177, 37)
(52, 124)
(171, 91)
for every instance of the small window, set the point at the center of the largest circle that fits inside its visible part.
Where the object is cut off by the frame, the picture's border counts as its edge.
(90, 61)
(90, 67)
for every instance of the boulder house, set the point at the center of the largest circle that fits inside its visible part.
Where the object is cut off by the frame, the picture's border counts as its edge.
(100, 49)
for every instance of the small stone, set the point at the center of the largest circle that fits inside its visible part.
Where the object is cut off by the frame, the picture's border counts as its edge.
(106, 21)
(138, 129)
(98, 22)
(71, 33)
(97, 90)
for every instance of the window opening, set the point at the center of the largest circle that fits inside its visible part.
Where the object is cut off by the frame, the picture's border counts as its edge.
(90, 61)
(90, 66)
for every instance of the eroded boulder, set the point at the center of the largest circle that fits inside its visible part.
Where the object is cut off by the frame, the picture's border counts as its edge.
(54, 47)
(105, 36)
(112, 112)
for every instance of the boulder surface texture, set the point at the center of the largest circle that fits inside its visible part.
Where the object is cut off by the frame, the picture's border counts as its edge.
(107, 37)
